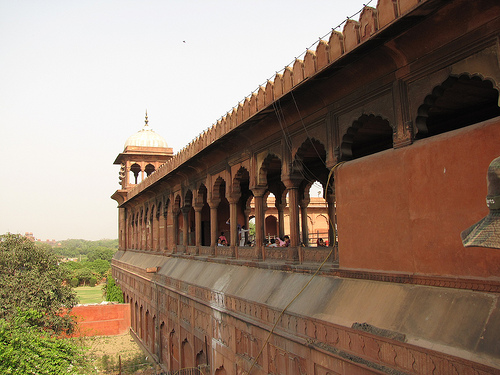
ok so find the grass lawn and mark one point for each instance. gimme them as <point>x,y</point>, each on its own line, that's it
<point>89,294</point>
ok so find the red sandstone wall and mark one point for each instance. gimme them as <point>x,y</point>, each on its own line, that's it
<point>403,210</point>
<point>102,320</point>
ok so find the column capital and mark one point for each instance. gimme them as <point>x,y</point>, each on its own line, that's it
<point>304,202</point>
<point>213,203</point>
<point>233,199</point>
<point>258,192</point>
<point>292,182</point>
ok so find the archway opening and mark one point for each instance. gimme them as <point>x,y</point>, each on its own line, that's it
<point>367,135</point>
<point>456,103</point>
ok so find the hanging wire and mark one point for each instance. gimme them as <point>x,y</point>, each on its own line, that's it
<point>305,129</point>
<point>331,174</point>
<point>303,53</point>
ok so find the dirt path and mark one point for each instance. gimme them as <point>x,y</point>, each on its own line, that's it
<point>104,352</point>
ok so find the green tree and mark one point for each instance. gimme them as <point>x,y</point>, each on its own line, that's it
<point>112,292</point>
<point>29,349</point>
<point>31,279</point>
<point>99,267</point>
<point>83,275</point>
<point>100,253</point>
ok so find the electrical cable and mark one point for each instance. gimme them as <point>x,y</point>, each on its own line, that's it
<point>304,126</point>
<point>305,286</point>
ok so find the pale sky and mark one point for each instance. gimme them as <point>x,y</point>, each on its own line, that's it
<point>76,77</point>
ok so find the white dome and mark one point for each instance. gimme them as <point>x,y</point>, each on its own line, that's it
<point>146,137</point>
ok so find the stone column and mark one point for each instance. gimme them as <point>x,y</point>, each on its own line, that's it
<point>185,225</point>
<point>213,222</point>
<point>293,209</point>
<point>197,225</point>
<point>166,234</point>
<point>303,220</point>
<point>332,232</point>
<point>233,220</point>
<point>281,219</point>
<point>258,194</point>
<point>135,235</point>
<point>143,234</point>
<point>175,229</point>
<point>247,223</point>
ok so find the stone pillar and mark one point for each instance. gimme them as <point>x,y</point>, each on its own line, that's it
<point>175,229</point>
<point>332,232</point>
<point>303,220</point>
<point>185,225</point>
<point>166,234</point>
<point>233,220</point>
<point>247,223</point>
<point>213,222</point>
<point>258,194</point>
<point>134,235</point>
<point>293,209</point>
<point>281,219</point>
<point>143,234</point>
<point>197,224</point>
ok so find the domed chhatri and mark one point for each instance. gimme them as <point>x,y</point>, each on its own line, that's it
<point>142,154</point>
<point>146,137</point>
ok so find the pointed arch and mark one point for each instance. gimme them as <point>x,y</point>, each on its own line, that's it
<point>149,168</point>
<point>310,161</point>
<point>367,135</point>
<point>458,102</point>
<point>270,174</point>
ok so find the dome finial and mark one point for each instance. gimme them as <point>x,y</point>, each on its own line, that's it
<point>146,120</point>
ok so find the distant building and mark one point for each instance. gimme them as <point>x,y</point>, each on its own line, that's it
<point>398,118</point>
<point>31,237</point>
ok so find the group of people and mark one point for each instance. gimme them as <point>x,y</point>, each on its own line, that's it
<point>272,242</point>
<point>278,242</point>
<point>222,240</point>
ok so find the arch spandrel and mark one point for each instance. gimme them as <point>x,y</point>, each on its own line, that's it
<point>214,182</point>
<point>200,194</point>
<point>241,176</point>
<point>260,172</point>
<point>177,203</point>
<point>484,64</point>
<point>235,169</point>
<point>309,163</point>
<point>188,198</point>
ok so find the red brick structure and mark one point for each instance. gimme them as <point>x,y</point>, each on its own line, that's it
<point>398,118</point>
<point>102,320</point>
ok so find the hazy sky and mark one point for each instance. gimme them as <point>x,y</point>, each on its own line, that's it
<point>76,77</point>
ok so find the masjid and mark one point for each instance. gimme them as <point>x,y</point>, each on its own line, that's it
<point>232,265</point>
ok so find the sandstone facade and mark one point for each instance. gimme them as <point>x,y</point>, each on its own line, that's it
<point>398,118</point>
